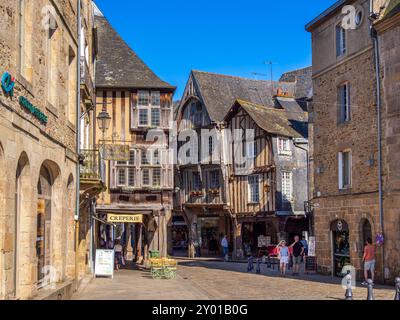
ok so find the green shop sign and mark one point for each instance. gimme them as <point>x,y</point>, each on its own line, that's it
<point>33,110</point>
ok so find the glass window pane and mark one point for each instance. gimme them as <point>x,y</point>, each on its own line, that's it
<point>155,117</point>
<point>121,177</point>
<point>131,177</point>
<point>146,177</point>
<point>155,98</point>
<point>144,98</point>
<point>156,177</point>
<point>143,117</point>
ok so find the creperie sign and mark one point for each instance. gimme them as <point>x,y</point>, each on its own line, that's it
<point>124,218</point>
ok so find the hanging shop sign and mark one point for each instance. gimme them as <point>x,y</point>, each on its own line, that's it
<point>122,218</point>
<point>116,152</point>
<point>24,102</point>
<point>379,239</point>
<point>8,83</point>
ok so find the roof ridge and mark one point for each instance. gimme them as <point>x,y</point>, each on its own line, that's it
<point>231,76</point>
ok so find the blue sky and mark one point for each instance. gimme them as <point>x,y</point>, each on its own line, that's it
<point>233,37</point>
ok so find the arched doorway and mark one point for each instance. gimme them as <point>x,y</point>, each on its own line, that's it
<point>340,246</point>
<point>366,231</point>
<point>48,221</point>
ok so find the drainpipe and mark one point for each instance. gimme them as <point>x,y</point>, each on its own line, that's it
<point>78,136</point>
<point>374,37</point>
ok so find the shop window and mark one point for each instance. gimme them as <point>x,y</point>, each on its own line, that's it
<point>44,215</point>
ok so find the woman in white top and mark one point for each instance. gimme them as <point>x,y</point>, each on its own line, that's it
<point>283,256</point>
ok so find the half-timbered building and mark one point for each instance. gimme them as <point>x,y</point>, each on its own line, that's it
<point>139,171</point>
<point>270,185</point>
<point>202,198</point>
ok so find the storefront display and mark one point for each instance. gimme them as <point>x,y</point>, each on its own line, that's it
<point>341,246</point>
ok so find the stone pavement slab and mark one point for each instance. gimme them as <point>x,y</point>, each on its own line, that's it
<point>214,280</point>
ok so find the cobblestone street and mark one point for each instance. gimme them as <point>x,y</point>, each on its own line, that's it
<point>214,280</point>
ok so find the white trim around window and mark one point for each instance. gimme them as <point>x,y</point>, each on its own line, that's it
<point>254,189</point>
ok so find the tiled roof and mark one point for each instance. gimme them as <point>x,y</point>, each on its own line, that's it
<point>118,65</point>
<point>271,120</point>
<point>303,79</point>
<point>219,92</point>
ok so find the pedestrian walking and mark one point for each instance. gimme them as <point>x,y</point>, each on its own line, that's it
<point>283,256</point>
<point>305,246</point>
<point>298,251</point>
<point>118,255</point>
<point>225,247</point>
<point>369,261</point>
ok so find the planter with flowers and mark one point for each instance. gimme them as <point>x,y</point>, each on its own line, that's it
<point>197,193</point>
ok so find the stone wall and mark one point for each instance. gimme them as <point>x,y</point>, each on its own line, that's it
<point>390,63</point>
<point>359,135</point>
<point>27,143</point>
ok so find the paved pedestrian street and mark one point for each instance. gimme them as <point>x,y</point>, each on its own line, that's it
<point>215,280</point>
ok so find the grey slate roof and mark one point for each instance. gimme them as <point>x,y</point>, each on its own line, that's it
<point>274,121</point>
<point>295,113</point>
<point>219,92</point>
<point>118,65</point>
<point>303,79</point>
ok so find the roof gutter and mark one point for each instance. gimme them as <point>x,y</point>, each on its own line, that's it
<point>325,14</point>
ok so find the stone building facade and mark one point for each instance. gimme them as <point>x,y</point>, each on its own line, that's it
<point>345,144</point>
<point>388,30</point>
<point>39,50</point>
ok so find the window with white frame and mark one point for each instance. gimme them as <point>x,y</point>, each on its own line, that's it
<point>145,157</point>
<point>156,158</point>
<point>155,117</point>
<point>344,159</point>
<point>254,189</point>
<point>287,187</point>
<point>251,152</point>
<point>143,117</point>
<point>149,108</point>
<point>284,146</point>
<point>155,98</point>
<point>126,171</point>
<point>340,40</point>
<point>143,99</point>
<point>344,102</point>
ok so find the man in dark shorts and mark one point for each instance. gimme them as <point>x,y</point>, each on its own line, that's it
<point>298,250</point>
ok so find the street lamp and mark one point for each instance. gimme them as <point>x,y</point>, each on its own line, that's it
<point>104,120</point>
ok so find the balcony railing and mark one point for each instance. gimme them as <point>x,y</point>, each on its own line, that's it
<point>93,167</point>
<point>86,80</point>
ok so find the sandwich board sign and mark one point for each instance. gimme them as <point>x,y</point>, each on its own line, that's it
<point>104,265</point>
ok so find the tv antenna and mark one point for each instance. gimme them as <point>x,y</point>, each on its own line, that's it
<point>270,63</point>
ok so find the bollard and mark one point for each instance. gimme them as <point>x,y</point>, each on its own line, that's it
<point>349,291</point>
<point>397,296</point>
<point>250,266</point>
<point>258,268</point>
<point>370,290</point>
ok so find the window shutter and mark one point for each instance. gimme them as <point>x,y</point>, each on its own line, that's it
<point>340,169</point>
<point>338,41</point>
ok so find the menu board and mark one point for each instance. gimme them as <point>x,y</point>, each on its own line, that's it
<point>104,265</point>
<point>311,247</point>
<point>311,264</point>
